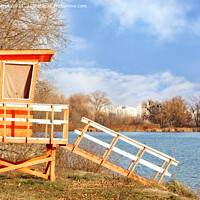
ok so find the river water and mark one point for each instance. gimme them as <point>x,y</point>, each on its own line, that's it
<point>185,147</point>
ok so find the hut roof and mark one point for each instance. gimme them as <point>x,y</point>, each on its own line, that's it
<point>40,55</point>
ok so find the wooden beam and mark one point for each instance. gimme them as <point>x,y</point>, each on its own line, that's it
<point>32,140</point>
<point>52,122</point>
<point>65,126</point>
<point>32,159</point>
<point>133,160</point>
<point>159,172</point>
<point>38,55</point>
<point>4,122</point>
<point>1,79</point>
<point>28,124</point>
<point>33,84</point>
<point>106,164</point>
<point>109,151</point>
<point>7,163</point>
<point>78,140</point>
<point>137,161</point>
<point>26,164</point>
<point>108,148</point>
<point>161,177</point>
<point>46,126</point>
<point>53,156</point>
<point>47,167</point>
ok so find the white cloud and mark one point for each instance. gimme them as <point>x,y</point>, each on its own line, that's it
<point>121,88</point>
<point>163,19</point>
<point>81,63</point>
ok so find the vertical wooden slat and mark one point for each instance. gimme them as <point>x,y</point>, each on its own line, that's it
<point>108,148</point>
<point>33,82</point>
<point>159,172</point>
<point>133,160</point>
<point>4,122</point>
<point>28,124</point>
<point>65,126</point>
<point>46,125</point>
<point>52,122</point>
<point>161,177</point>
<point>104,159</point>
<point>137,161</point>
<point>1,81</point>
<point>78,140</point>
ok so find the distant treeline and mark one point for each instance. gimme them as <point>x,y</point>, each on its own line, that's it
<point>175,112</point>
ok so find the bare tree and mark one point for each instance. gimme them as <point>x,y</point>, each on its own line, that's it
<point>176,112</point>
<point>169,112</point>
<point>79,107</point>
<point>98,100</point>
<point>194,107</point>
<point>30,24</point>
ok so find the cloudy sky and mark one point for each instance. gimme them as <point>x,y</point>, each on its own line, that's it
<point>133,50</point>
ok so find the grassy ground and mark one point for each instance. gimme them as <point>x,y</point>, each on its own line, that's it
<point>73,184</point>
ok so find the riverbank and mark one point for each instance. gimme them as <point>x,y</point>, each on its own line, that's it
<point>75,184</point>
<point>146,128</point>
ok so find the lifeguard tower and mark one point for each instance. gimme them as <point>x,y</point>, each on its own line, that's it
<point>17,86</point>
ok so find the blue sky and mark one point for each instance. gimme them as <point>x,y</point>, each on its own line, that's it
<point>131,49</point>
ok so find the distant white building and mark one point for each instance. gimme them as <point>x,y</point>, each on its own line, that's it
<point>134,111</point>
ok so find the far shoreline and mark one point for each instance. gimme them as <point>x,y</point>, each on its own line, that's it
<point>134,128</point>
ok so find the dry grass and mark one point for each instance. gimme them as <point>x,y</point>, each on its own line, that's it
<point>76,179</point>
<point>180,189</point>
<point>76,184</point>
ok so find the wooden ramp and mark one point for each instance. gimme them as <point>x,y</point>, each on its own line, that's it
<point>135,159</point>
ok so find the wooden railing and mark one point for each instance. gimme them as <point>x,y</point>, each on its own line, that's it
<point>16,121</point>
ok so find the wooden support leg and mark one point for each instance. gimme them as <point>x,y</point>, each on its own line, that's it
<point>53,162</point>
<point>164,171</point>
<point>47,167</point>
<point>158,172</point>
<point>49,159</point>
<point>137,161</point>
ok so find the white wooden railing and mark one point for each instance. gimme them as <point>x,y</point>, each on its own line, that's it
<point>28,119</point>
<point>136,159</point>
